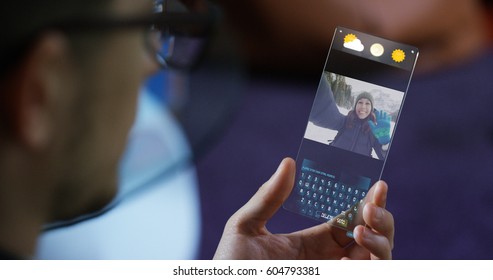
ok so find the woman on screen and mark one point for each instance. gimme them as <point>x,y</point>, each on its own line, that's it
<point>363,130</point>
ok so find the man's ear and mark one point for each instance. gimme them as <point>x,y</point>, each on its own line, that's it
<point>35,89</point>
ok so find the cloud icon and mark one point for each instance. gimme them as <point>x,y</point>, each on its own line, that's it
<point>354,45</point>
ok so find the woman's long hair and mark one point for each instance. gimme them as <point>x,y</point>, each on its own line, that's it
<point>352,118</point>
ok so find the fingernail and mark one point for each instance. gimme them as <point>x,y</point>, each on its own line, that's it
<point>375,211</point>
<point>360,233</point>
<point>378,212</point>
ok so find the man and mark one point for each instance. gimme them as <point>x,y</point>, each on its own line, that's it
<point>68,91</point>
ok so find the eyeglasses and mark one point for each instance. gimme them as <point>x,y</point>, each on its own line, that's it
<point>179,32</point>
<point>176,33</point>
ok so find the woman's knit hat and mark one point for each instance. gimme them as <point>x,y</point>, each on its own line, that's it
<point>365,95</point>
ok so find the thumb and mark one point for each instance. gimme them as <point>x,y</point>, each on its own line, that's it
<point>269,198</point>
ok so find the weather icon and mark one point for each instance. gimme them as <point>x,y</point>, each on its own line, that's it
<point>353,43</point>
<point>377,49</point>
<point>398,55</point>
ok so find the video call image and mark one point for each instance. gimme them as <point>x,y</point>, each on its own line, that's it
<point>354,115</point>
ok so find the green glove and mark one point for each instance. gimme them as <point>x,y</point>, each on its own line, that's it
<point>381,130</point>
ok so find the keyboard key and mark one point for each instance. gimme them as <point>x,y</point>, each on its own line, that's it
<point>324,198</point>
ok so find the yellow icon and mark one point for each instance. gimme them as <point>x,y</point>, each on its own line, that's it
<point>377,49</point>
<point>349,38</point>
<point>398,55</point>
<point>342,222</point>
<point>352,42</point>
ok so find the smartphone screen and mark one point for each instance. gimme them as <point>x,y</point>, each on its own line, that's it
<point>349,132</point>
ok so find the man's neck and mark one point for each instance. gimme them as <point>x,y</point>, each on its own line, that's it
<point>24,203</point>
<point>18,231</point>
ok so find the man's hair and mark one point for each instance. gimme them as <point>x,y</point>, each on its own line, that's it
<point>23,20</point>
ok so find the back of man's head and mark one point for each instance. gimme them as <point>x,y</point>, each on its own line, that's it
<point>24,20</point>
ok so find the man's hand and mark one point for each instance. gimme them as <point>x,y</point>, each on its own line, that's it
<point>246,236</point>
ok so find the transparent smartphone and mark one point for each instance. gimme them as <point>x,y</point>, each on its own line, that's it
<point>350,128</point>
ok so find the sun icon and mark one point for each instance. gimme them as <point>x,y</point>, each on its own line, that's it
<point>398,55</point>
<point>349,38</point>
